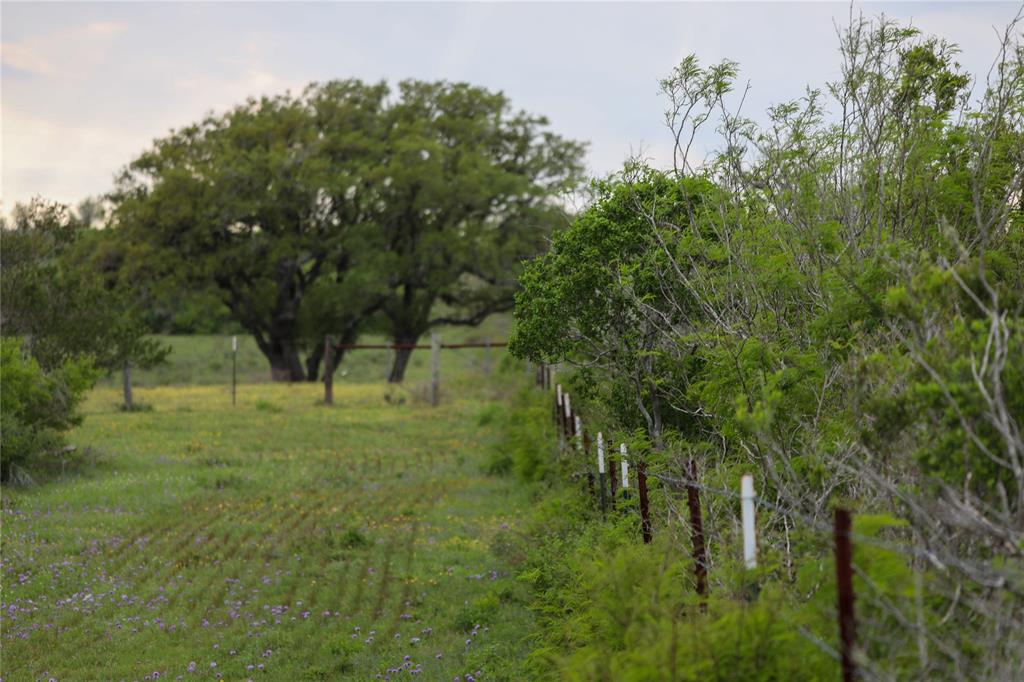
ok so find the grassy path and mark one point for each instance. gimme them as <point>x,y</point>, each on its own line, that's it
<point>275,540</point>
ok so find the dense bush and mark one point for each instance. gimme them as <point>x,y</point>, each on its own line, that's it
<point>36,407</point>
<point>834,305</point>
<point>524,447</point>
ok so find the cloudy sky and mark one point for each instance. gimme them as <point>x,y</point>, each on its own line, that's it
<point>87,86</point>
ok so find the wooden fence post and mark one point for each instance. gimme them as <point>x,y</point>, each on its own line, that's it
<point>328,371</point>
<point>126,375</point>
<point>700,569</point>
<point>435,369</point>
<point>844,584</point>
<point>234,367</point>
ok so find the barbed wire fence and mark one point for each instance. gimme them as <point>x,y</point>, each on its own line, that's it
<point>486,364</point>
<point>611,474</point>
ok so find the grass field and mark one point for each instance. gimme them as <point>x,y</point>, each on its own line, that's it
<point>277,539</point>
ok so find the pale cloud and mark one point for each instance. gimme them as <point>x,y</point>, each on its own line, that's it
<point>75,51</point>
<point>88,86</point>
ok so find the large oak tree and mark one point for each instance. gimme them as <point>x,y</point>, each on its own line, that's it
<point>312,213</point>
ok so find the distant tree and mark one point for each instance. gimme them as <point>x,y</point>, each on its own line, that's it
<point>468,189</point>
<point>60,306</point>
<point>264,203</point>
<point>62,325</point>
<point>311,214</point>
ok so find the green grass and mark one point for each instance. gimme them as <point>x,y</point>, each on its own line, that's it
<point>321,543</point>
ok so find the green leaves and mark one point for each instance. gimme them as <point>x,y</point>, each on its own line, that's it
<point>310,214</point>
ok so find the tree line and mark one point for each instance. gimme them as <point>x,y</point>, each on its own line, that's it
<point>346,207</point>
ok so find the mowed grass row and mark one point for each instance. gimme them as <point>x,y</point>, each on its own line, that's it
<point>278,539</point>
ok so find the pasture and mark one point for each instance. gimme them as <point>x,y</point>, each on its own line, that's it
<point>277,539</point>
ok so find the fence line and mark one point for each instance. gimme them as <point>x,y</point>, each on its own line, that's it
<point>573,436</point>
<point>435,346</point>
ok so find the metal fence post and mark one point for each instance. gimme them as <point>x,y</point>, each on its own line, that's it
<point>844,585</point>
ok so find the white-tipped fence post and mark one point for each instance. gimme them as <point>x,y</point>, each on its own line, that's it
<point>749,530</point>
<point>747,498</point>
<point>567,418</point>
<point>578,432</point>
<point>559,420</point>
<point>600,472</point>
<point>624,457</point>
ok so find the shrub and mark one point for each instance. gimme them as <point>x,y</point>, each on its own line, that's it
<point>36,407</point>
<point>524,443</point>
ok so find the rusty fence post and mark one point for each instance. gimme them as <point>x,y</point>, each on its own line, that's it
<point>844,585</point>
<point>612,483</point>
<point>645,505</point>
<point>601,473</point>
<point>583,438</point>
<point>328,371</point>
<point>700,568</point>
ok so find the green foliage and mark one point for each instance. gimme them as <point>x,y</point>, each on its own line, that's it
<point>59,303</point>
<point>832,306</point>
<point>36,407</point>
<point>347,207</point>
<point>524,445</point>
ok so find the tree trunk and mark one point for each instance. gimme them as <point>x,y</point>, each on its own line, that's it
<point>127,375</point>
<point>316,357</point>
<point>401,362</point>
<point>285,364</point>
<point>313,361</point>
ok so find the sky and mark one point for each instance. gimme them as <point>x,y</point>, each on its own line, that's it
<point>86,87</point>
